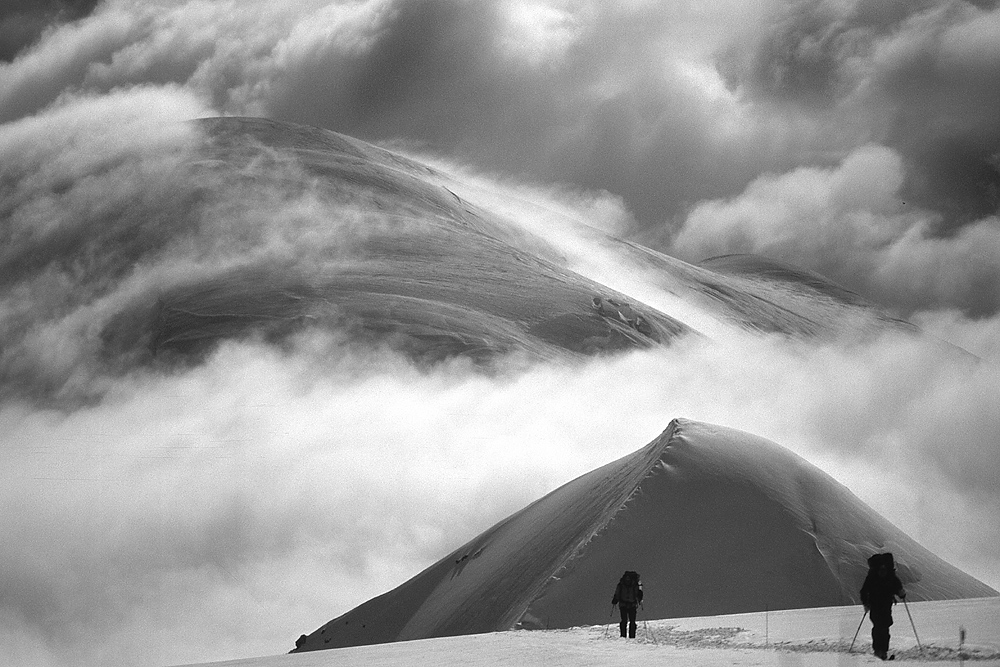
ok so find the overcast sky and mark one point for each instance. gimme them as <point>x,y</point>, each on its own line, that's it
<point>202,516</point>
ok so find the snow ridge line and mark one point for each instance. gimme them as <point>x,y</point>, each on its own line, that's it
<point>649,457</point>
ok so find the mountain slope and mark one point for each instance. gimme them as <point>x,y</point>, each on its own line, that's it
<point>264,230</point>
<point>717,521</point>
<point>403,261</point>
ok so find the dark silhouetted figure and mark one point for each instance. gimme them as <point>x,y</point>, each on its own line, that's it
<point>628,595</point>
<point>878,594</point>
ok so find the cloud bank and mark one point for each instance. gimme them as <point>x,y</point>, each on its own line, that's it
<point>222,512</point>
<point>851,224</point>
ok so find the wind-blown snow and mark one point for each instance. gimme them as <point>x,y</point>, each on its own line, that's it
<point>252,229</point>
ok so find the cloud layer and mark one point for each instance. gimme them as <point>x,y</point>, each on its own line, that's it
<point>149,529</point>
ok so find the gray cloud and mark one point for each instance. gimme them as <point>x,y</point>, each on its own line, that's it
<point>22,22</point>
<point>91,190</point>
<point>850,223</point>
<point>613,98</point>
<point>916,76</point>
<point>662,105</point>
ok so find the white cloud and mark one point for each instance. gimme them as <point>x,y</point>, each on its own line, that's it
<point>538,33</point>
<point>850,224</point>
<point>295,485</point>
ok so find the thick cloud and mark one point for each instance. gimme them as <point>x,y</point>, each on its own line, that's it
<point>90,191</point>
<point>662,104</point>
<point>851,224</point>
<point>222,512</point>
<point>919,77</point>
<point>618,98</point>
<point>22,22</point>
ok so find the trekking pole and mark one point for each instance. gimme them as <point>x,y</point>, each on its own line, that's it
<point>921,648</point>
<point>857,631</point>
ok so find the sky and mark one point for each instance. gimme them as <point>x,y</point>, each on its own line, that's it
<point>222,511</point>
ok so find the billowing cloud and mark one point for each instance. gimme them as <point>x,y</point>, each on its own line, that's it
<point>918,77</point>
<point>851,224</point>
<point>664,105</point>
<point>222,512</point>
<point>623,98</point>
<point>23,22</point>
<point>90,190</point>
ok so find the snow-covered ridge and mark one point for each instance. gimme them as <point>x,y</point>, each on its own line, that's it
<point>717,521</point>
<point>267,230</point>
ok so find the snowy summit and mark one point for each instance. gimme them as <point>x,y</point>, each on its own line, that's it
<point>717,521</point>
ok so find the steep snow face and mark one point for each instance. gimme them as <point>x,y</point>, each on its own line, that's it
<point>726,522</point>
<point>716,521</point>
<point>378,249</point>
<point>486,584</point>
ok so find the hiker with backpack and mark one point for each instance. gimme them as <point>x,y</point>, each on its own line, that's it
<point>878,594</point>
<point>628,595</point>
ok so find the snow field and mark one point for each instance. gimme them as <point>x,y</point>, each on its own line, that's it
<point>799,637</point>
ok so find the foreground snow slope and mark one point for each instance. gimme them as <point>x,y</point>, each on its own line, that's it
<point>715,520</point>
<point>801,637</point>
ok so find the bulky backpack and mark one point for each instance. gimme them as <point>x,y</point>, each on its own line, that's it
<point>631,587</point>
<point>877,560</point>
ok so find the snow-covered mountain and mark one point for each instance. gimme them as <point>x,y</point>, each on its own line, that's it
<point>265,229</point>
<point>716,521</point>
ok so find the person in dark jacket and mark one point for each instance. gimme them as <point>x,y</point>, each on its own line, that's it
<point>878,594</point>
<point>628,595</point>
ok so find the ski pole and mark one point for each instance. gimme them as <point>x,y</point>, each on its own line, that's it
<point>921,648</point>
<point>857,631</point>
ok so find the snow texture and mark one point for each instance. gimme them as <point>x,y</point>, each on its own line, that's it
<point>791,638</point>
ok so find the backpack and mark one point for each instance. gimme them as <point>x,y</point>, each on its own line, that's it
<point>631,587</point>
<point>875,561</point>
